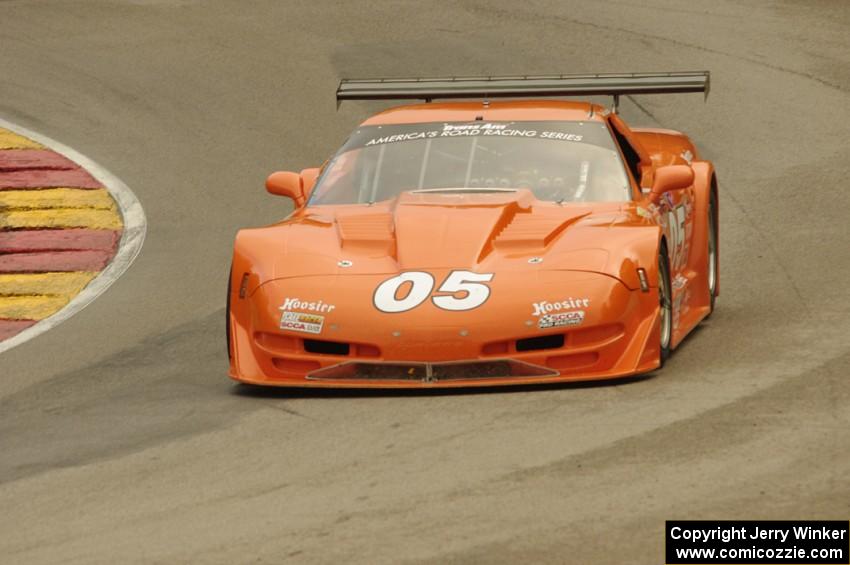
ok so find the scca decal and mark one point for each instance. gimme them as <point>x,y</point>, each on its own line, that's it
<point>421,285</point>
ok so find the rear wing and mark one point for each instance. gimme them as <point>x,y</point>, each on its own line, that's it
<point>615,85</point>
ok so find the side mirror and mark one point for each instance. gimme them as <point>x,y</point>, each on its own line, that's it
<point>671,177</point>
<point>285,183</point>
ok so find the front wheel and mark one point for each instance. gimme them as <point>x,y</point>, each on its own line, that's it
<point>227,314</point>
<point>712,252</point>
<point>665,299</point>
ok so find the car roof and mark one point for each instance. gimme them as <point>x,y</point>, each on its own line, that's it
<point>513,110</point>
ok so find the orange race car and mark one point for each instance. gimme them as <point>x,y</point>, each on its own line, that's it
<point>481,242</point>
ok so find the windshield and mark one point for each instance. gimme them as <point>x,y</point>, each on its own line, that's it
<point>558,161</point>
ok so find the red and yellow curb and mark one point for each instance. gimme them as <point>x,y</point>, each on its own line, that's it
<point>59,227</point>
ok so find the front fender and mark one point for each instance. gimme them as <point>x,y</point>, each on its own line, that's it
<point>626,249</point>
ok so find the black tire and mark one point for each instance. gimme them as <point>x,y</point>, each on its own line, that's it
<point>665,298</point>
<point>227,314</point>
<point>713,258</point>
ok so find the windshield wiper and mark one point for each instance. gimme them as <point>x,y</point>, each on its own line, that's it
<point>465,189</point>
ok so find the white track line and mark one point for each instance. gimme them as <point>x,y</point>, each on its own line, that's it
<point>131,242</point>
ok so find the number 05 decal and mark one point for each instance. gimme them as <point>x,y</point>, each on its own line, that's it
<point>421,284</point>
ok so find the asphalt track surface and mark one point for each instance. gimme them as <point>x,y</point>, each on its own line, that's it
<point>121,439</point>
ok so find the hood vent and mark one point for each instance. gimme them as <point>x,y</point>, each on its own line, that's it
<point>367,232</point>
<point>533,231</point>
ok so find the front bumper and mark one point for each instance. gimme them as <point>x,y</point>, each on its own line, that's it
<point>502,344</point>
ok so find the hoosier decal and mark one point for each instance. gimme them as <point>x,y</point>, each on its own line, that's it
<point>546,307</point>
<point>313,306</point>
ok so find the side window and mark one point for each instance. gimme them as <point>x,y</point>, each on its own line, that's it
<point>631,156</point>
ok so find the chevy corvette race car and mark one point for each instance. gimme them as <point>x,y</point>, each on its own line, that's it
<point>484,242</point>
